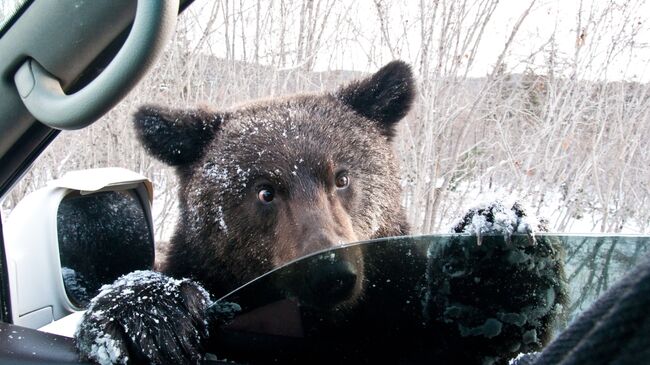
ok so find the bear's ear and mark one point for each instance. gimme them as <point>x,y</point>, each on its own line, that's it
<point>176,137</point>
<point>385,97</point>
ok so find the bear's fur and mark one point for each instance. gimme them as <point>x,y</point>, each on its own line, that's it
<point>296,147</point>
<point>264,184</point>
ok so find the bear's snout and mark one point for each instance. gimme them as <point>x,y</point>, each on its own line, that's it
<point>309,226</point>
<point>321,239</point>
<point>306,226</point>
<point>333,282</point>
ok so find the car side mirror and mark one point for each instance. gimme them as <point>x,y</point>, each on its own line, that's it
<point>101,236</point>
<point>66,240</point>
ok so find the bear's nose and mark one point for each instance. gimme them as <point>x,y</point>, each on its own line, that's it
<point>332,282</point>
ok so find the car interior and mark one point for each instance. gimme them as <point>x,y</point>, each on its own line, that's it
<point>102,50</point>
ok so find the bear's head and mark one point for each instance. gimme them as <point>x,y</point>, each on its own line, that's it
<point>266,183</point>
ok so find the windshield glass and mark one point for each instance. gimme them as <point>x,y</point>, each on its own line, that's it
<point>417,291</point>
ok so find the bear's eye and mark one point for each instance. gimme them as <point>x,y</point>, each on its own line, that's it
<point>266,195</point>
<point>342,180</point>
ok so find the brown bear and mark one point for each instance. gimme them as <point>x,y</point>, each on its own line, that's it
<point>261,185</point>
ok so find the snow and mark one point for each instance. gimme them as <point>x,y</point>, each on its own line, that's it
<point>222,222</point>
<point>106,351</point>
<point>554,207</point>
<point>135,295</point>
<point>496,218</point>
<point>523,359</point>
<point>218,174</point>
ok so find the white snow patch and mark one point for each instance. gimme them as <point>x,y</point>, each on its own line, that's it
<point>106,351</point>
<point>504,220</point>
<point>514,361</point>
<point>222,222</point>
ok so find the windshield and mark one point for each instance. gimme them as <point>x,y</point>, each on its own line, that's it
<point>413,288</point>
<point>539,104</point>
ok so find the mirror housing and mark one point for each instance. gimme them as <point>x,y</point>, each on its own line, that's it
<point>49,222</point>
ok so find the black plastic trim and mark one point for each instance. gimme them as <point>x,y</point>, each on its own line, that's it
<point>20,345</point>
<point>23,153</point>
<point>34,141</point>
<point>18,159</point>
<point>5,303</point>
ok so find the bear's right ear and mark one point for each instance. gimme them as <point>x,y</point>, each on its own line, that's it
<point>385,97</point>
<point>175,137</point>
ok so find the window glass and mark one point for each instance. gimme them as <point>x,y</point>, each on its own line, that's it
<point>416,291</point>
<point>101,237</point>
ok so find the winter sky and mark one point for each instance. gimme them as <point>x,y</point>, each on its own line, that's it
<point>354,47</point>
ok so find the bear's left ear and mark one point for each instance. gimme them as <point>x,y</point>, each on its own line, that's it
<point>176,136</point>
<point>385,97</point>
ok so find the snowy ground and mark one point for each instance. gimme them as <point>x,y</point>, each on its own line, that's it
<point>553,209</point>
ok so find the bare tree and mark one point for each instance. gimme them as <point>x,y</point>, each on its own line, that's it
<point>561,128</point>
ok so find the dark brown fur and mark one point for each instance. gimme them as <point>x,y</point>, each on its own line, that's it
<point>225,235</point>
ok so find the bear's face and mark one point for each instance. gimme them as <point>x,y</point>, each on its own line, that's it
<point>298,176</point>
<point>267,183</point>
